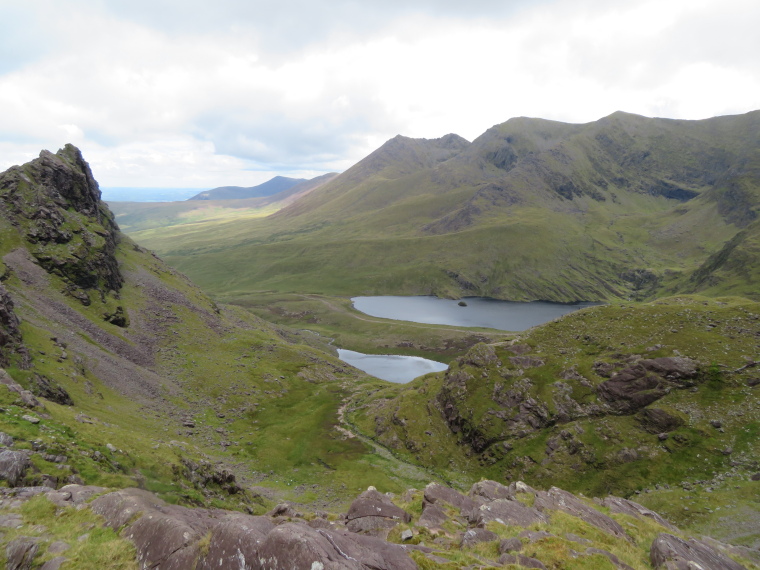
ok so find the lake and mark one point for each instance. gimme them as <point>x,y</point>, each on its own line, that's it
<point>391,367</point>
<point>479,312</point>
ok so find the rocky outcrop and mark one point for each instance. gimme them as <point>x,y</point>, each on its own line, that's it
<point>173,537</point>
<point>26,397</point>
<point>645,382</point>
<point>669,552</point>
<point>558,500</point>
<point>55,203</point>
<point>10,336</point>
<point>374,514</point>
<point>13,466</point>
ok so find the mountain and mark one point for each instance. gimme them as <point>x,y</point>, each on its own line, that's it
<point>134,377</point>
<point>140,216</point>
<point>625,207</point>
<point>273,186</point>
<point>129,399</point>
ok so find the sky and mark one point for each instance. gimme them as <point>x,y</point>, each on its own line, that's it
<point>199,94</point>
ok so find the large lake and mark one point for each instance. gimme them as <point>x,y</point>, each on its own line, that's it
<point>391,367</point>
<point>479,312</point>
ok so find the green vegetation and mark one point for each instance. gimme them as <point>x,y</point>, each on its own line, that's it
<point>541,419</point>
<point>623,208</point>
<point>91,545</point>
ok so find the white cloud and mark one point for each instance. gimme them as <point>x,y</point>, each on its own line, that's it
<point>194,94</point>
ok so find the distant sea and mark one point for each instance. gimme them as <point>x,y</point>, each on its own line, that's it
<point>124,194</point>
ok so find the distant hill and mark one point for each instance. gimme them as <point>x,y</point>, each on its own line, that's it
<point>268,188</point>
<point>142,216</point>
<point>623,207</point>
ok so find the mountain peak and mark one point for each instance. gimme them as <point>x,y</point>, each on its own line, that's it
<point>268,188</point>
<point>55,201</point>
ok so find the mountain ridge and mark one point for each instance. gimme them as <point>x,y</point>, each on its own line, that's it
<point>418,217</point>
<point>271,186</point>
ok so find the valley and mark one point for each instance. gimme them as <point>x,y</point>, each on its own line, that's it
<point>123,377</point>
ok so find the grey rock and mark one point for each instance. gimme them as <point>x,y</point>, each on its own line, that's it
<point>407,535</point>
<point>53,563</point>
<point>12,520</point>
<point>510,545</point>
<point>290,546</point>
<point>507,512</point>
<point>58,547</point>
<point>578,539</point>
<point>236,538</point>
<point>432,517</point>
<point>285,510</point>
<point>13,466</point>
<point>491,490</point>
<point>435,493</point>
<point>535,535</point>
<point>5,440</point>
<point>626,507</point>
<point>372,503</point>
<point>20,553</point>
<point>476,535</point>
<point>372,526</point>
<point>672,553</point>
<point>559,500</point>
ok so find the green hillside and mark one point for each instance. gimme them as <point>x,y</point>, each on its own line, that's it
<point>657,401</point>
<point>141,380</point>
<point>625,207</point>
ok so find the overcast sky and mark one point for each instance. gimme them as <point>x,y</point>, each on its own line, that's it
<point>195,93</point>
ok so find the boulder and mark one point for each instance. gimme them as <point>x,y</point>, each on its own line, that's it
<point>656,421</point>
<point>432,517</point>
<point>20,553</point>
<point>372,503</point>
<point>290,546</point>
<point>476,535</point>
<point>235,542</point>
<point>285,510</point>
<point>672,367</point>
<point>626,507</point>
<point>510,545</point>
<point>506,512</point>
<point>669,552</point>
<point>435,493</point>
<point>631,389</point>
<point>558,500</point>
<point>5,440</point>
<point>53,563</point>
<point>491,490</point>
<point>13,466</point>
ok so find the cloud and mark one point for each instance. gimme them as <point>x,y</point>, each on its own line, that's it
<point>182,92</point>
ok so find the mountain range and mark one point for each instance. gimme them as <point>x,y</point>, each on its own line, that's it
<point>123,378</point>
<point>273,186</point>
<point>626,207</point>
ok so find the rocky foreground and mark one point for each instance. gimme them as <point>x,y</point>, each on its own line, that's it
<point>437,527</point>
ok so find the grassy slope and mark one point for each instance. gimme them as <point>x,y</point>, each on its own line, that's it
<point>263,400</point>
<point>721,334</point>
<point>530,210</point>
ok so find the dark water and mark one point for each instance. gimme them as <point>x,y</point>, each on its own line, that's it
<point>479,312</point>
<point>391,367</point>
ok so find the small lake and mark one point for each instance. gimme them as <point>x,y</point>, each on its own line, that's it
<point>479,312</point>
<point>391,367</point>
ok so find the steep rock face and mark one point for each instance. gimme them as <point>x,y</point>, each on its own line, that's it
<point>55,202</point>
<point>10,335</point>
